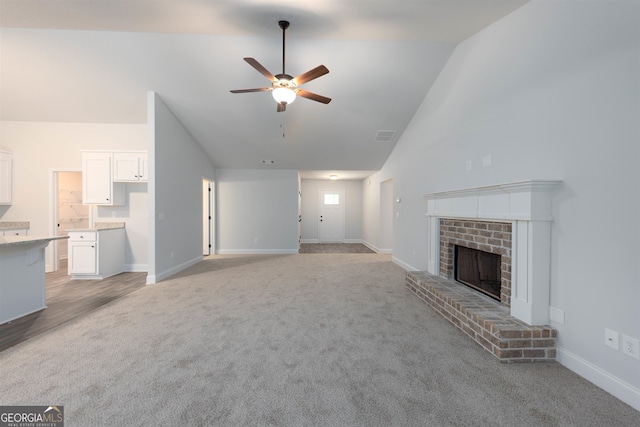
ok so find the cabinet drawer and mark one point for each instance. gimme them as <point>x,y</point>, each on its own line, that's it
<point>85,236</point>
<point>15,232</point>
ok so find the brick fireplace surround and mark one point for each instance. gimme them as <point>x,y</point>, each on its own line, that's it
<point>509,220</point>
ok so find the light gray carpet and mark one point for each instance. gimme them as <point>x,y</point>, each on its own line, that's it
<point>288,340</point>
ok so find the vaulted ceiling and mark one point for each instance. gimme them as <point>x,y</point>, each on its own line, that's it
<point>94,61</point>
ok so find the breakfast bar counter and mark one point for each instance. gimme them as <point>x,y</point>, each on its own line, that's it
<point>22,275</point>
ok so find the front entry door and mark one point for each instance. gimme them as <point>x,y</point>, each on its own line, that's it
<point>331,221</point>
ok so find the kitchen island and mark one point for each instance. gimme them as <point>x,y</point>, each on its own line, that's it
<point>22,275</point>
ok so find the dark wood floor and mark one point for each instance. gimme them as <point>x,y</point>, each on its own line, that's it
<point>66,300</point>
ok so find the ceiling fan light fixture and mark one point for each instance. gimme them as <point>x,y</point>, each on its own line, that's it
<point>284,91</point>
<point>284,87</point>
<point>284,95</point>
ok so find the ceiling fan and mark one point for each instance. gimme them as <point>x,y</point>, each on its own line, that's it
<point>284,87</point>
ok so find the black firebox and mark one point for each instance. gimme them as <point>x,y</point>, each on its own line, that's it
<point>478,269</point>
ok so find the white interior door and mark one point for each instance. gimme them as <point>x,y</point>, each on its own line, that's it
<point>331,221</point>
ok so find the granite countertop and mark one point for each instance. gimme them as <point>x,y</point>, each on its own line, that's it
<point>23,240</point>
<point>101,226</point>
<point>13,225</point>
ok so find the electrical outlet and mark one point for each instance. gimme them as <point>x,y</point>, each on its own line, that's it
<point>611,339</point>
<point>630,347</point>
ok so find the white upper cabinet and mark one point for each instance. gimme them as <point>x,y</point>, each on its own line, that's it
<point>130,167</point>
<point>6,176</point>
<point>97,183</point>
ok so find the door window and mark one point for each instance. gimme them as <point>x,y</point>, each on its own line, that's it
<point>331,198</point>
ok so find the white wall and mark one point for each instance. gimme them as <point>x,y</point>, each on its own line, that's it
<point>310,208</point>
<point>552,91</point>
<point>41,147</point>
<point>177,165</point>
<point>257,211</point>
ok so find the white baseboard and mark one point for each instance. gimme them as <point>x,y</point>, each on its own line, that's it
<point>136,268</point>
<point>404,265</point>
<point>155,278</point>
<point>256,251</point>
<point>309,241</point>
<point>377,249</point>
<point>605,380</point>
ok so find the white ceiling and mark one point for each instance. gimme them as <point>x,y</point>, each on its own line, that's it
<point>94,61</point>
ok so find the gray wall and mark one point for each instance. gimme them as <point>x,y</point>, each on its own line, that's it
<point>550,92</point>
<point>257,211</point>
<point>177,165</point>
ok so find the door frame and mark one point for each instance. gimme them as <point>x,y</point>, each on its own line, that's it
<point>52,263</point>
<point>208,217</point>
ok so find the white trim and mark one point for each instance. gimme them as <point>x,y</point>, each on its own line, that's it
<point>257,251</point>
<point>136,268</point>
<point>404,265</point>
<point>173,270</point>
<point>521,201</point>
<point>309,241</point>
<point>610,383</point>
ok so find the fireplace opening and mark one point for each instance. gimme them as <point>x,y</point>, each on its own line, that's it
<point>478,269</point>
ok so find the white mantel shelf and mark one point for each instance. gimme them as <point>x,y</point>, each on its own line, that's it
<point>527,205</point>
<point>523,200</point>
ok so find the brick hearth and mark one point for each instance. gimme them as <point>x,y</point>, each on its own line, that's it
<point>486,321</point>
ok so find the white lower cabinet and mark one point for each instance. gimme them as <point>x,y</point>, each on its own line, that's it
<point>96,254</point>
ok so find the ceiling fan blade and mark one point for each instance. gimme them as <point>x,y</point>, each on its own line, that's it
<point>281,108</point>
<point>320,70</point>
<point>255,64</point>
<point>262,89</point>
<point>313,96</point>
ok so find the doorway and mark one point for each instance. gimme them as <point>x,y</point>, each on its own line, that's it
<point>386,216</point>
<point>208,220</point>
<point>68,212</point>
<point>331,221</point>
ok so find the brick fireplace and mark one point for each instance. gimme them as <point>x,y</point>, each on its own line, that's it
<point>491,237</point>
<point>514,221</point>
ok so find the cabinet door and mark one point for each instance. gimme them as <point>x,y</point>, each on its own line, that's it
<point>5,178</point>
<point>126,167</point>
<point>96,179</point>
<point>82,258</point>
<point>143,169</point>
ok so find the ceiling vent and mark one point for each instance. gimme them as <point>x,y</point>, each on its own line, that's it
<point>385,135</point>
